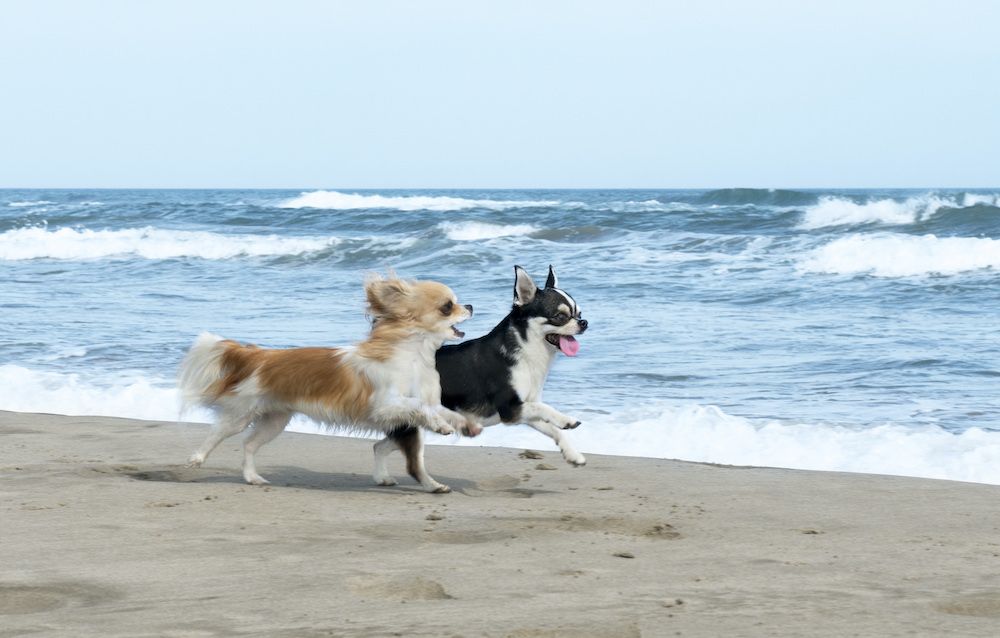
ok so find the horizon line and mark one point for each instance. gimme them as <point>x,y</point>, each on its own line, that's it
<point>494,188</point>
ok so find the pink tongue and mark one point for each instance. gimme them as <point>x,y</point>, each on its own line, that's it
<point>569,345</point>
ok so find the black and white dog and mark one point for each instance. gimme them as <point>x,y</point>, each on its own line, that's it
<point>499,377</point>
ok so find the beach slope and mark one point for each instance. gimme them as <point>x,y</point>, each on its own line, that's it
<point>106,532</point>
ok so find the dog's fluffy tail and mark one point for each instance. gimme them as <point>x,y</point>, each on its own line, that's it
<point>201,371</point>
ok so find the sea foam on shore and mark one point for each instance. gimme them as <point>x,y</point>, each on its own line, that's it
<point>688,432</point>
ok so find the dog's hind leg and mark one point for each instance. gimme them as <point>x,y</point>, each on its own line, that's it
<point>226,425</point>
<point>411,442</point>
<point>265,428</point>
<point>383,449</point>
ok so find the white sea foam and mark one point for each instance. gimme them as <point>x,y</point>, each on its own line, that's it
<point>707,434</point>
<point>334,200</point>
<point>641,206</point>
<point>836,211</point>
<point>128,396</point>
<point>148,243</point>
<point>137,397</point>
<point>895,255</point>
<point>473,231</point>
<point>658,430</point>
<point>26,204</point>
<point>981,199</point>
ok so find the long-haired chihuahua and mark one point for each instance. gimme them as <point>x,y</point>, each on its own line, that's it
<point>385,381</point>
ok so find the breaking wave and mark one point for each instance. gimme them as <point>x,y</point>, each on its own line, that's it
<point>148,243</point>
<point>896,255</point>
<point>335,200</point>
<point>838,211</point>
<point>472,231</point>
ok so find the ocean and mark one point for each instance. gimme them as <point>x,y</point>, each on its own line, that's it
<point>851,330</point>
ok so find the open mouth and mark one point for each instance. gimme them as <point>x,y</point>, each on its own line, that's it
<point>567,344</point>
<point>458,333</point>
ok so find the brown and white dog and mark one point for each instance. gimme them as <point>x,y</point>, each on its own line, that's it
<point>384,382</point>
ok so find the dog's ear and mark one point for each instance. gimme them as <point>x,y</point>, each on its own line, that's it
<point>386,297</point>
<point>551,281</point>
<point>524,287</point>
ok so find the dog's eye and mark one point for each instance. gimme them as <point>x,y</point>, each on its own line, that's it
<point>447,308</point>
<point>561,317</point>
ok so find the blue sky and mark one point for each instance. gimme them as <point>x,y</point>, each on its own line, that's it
<point>465,94</point>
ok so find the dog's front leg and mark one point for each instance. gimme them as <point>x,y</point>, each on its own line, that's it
<point>544,419</point>
<point>460,422</point>
<point>569,453</point>
<point>440,423</point>
<point>538,411</point>
<point>408,410</point>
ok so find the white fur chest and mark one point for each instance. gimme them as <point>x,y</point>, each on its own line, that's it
<point>533,363</point>
<point>411,372</point>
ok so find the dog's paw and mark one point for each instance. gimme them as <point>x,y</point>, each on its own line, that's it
<point>570,424</point>
<point>445,421</point>
<point>387,481</point>
<point>439,488</point>
<point>440,426</point>
<point>576,459</point>
<point>195,461</point>
<point>456,420</point>
<point>471,428</point>
<point>256,479</point>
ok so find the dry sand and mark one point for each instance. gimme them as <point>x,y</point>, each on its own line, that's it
<point>105,532</point>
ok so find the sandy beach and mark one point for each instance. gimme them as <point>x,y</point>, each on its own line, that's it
<point>105,532</point>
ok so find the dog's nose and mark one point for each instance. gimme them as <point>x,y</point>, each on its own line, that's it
<point>469,308</point>
<point>582,323</point>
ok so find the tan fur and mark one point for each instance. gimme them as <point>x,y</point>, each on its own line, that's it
<point>399,308</point>
<point>380,345</point>
<point>301,374</point>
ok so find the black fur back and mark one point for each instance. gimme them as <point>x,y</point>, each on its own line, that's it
<point>475,374</point>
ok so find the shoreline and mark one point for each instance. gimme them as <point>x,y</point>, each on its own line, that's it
<point>107,533</point>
